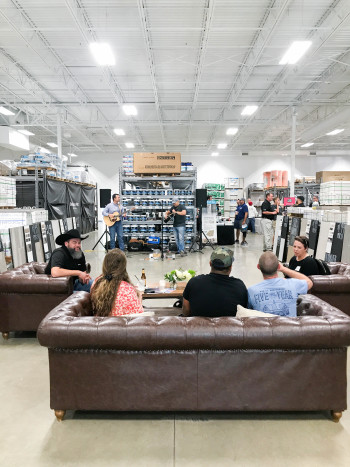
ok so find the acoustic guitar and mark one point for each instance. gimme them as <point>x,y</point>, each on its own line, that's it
<point>109,221</point>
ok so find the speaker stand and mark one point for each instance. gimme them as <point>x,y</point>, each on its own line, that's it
<point>105,245</point>
<point>198,239</point>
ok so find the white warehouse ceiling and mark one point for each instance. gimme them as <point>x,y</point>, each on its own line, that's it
<point>189,67</point>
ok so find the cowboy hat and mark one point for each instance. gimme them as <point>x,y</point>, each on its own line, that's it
<point>73,233</point>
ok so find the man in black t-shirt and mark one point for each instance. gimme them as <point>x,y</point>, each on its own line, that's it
<point>69,260</point>
<point>268,213</point>
<point>178,212</point>
<point>215,294</point>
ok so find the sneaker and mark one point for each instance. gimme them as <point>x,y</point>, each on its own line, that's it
<point>236,241</point>
<point>182,253</point>
<point>244,243</point>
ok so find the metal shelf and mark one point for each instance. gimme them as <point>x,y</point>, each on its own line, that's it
<point>150,222</point>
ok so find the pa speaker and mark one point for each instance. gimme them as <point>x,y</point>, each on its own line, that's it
<point>105,197</point>
<point>201,198</point>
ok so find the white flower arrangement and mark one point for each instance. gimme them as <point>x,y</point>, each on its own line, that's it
<point>179,275</point>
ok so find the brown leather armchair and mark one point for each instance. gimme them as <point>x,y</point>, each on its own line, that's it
<point>335,288</point>
<point>197,363</point>
<point>27,295</point>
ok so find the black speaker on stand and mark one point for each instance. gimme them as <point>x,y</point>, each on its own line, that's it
<point>201,202</point>
<point>105,197</point>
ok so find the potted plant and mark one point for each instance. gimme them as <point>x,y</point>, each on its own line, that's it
<point>178,275</point>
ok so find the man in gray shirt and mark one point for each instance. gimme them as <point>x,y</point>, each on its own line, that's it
<point>178,211</point>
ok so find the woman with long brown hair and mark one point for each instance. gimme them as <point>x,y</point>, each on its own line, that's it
<point>112,293</point>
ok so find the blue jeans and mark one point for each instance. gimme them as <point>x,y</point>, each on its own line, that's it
<point>251,224</point>
<point>116,228</point>
<point>179,233</point>
<point>78,286</point>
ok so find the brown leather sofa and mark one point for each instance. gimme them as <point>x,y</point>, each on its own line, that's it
<point>173,363</point>
<point>335,288</point>
<point>27,295</point>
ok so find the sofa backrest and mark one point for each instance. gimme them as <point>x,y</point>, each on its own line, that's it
<point>71,325</point>
<point>28,268</point>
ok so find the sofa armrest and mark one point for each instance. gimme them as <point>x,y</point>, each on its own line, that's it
<point>35,284</point>
<point>330,284</point>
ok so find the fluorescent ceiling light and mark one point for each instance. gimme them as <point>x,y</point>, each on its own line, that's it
<point>231,131</point>
<point>44,150</point>
<point>222,146</point>
<point>214,154</point>
<point>5,111</point>
<point>129,145</point>
<point>335,132</point>
<point>52,145</point>
<point>295,52</point>
<point>129,109</point>
<point>102,53</point>
<point>71,154</point>
<point>26,132</point>
<point>306,145</point>
<point>119,132</point>
<point>249,109</point>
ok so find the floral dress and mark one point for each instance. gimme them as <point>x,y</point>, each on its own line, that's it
<point>126,301</point>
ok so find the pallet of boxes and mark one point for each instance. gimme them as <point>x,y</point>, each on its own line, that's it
<point>157,163</point>
<point>334,188</point>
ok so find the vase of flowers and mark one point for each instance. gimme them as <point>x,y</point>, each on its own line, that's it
<point>178,275</point>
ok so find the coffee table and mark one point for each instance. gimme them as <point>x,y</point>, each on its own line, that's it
<point>176,293</point>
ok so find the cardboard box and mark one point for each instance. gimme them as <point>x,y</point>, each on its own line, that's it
<point>157,163</point>
<point>330,176</point>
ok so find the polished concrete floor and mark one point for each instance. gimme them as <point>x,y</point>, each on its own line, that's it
<point>31,436</point>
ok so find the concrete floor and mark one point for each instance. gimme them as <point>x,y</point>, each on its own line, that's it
<point>31,436</point>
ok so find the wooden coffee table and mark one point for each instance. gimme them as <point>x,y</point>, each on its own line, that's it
<point>177,293</point>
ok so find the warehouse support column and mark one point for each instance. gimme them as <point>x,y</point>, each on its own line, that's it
<point>59,135</point>
<point>292,158</point>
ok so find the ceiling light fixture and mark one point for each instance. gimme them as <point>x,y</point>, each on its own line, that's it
<point>335,132</point>
<point>5,111</point>
<point>222,146</point>
<point>71,154</point>
<point>231,131</point>
<point>44,150</point>
<point>102,53</point>
<point>295,52</point>
<point>130,145</point>
<point>119,132</point>
<point>129,109</point>
<point>249,109</point>
<point>52,145</point>
<point>214,154</point>
<point>306,145</point>
<point>26,132</point>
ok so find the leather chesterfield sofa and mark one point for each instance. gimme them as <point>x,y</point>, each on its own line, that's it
<point>335,288</point>
<point>173,363</point>
<point>27,295</point>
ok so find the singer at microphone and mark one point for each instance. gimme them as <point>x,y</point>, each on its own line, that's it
<point>178,212</point>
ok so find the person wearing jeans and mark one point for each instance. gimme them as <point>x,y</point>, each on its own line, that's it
<point>115,210</point>
<point>178,212</point>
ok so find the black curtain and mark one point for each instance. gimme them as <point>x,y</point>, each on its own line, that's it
<point>88,214</point>
<point>56,199</point>
<point>74,206</point>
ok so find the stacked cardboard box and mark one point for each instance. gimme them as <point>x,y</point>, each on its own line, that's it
<point>128,164</point>
<point>7,191</point>
<point>335,193</point>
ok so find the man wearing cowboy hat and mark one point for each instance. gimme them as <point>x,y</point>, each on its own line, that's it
<point>69,260</point>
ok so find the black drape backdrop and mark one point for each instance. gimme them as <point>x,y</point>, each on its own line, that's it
<point>72,200</point>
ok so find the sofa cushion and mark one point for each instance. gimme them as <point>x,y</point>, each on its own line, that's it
<point>247,313</point>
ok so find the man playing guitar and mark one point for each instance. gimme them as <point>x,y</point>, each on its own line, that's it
<point>115,211</point>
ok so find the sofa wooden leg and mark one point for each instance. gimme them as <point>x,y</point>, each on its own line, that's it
<point>60,414</point>
<point>5,335</point>
<point>336,416</point>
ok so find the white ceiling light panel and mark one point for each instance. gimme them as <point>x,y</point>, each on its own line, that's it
<point>295,52</point>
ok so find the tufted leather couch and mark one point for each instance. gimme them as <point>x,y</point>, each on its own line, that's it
<point>173,363</point>
<point>27,295</point>
<point>334,289</point>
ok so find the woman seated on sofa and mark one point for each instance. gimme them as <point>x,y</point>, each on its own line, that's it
<point>112,293</point>
<point>302,262</point>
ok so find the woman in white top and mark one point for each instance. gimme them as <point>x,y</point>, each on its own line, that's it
<point>252,214</point>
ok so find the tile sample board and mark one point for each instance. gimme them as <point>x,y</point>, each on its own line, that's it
<point>323,239</point>
<point>70,223</point>
<point>37,241</point>
<point>345,257</point>
<point>56,230</point>
<point>277,237</point>
<point>19,255</point>
<point>284,232</point>
<point>337,243</point>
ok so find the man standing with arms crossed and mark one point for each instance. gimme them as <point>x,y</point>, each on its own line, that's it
<point>111,210</point>
<point>241,220</point>
<point>268,213</point>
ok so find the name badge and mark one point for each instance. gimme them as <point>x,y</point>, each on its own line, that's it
<point>297,268</point>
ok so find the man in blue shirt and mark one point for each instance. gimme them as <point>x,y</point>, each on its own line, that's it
<point>241,221</point>
<point>115,211</point>
<point>275,294</point>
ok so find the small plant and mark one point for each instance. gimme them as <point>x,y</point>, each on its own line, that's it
<point>179,275</point>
